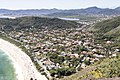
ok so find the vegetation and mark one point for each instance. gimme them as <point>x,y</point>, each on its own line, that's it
<point>106,26</point>
<point>61,59</point>
<point>5,37</point>
<point>55,58</point>
<point>63,72</point>
<point>108,30</point>
<point>110,70</point>
<point>35,22</point>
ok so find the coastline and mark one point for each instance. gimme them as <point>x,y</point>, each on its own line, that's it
<point>22,63</point>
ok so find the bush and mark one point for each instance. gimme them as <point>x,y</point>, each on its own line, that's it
<point>63,71</point>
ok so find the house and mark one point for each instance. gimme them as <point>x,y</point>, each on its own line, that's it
<point>83,65</point>
<point>49,64</point>
<point>109,42</point>
<point>117,50</point>
<point>114,55</point>
<point>74,55</point>
<point>94,50</point>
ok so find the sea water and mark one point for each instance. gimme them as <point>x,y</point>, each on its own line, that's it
<point>7,71</point>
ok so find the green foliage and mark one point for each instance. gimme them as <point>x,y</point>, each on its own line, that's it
<point>96,74</point>
<point>114,33</point>
<point>74,61</point>
<point>56,58</point>
<point>53,72</point>
<point>112,69</point>
<point>63,71</point>
<point>5,37</point>
<point>107,25</point>
<point>109,29</point>
<point>37,65</point>
<point>35,22</point>
<point>87,62</point>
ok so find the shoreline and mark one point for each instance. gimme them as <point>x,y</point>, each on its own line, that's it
<point>24,67</point>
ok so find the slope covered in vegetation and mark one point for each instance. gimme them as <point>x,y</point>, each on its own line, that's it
<point>106,26</point>
<point>108,68</point>
<point>107,30</point>
<point>35,22</point>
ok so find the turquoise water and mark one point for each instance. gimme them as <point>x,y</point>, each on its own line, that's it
<point>7,71</point>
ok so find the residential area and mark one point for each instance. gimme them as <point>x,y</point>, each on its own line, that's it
<point>60,50</point>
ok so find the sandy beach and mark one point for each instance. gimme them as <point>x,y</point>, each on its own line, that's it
<point>23,65</point>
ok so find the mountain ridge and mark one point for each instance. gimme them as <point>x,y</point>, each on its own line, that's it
<point>54,11</point>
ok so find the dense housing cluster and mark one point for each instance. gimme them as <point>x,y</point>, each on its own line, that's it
<point>61,52</point>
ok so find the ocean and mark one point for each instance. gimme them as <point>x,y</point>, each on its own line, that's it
<point>7,71</point>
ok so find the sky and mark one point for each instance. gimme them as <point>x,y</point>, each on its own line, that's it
<point>59,4</point>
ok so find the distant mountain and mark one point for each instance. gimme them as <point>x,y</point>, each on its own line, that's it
<point>87,11</point>
<point>57,12</point>
<point>118,8</point>
<point>93,9</point>
<point>29,12</point>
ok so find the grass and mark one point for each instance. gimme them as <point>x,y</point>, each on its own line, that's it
<point>113,32</point>
<point>106,26</point>
<point>106,68</point>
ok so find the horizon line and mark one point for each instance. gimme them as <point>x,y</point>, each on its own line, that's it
<point>58,8</point>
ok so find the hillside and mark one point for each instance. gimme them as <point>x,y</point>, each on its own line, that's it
<point>106,25</point>
<point>108,68</point>
<point>114,32</point>
<point>35,22</point>
<point>109,28</point>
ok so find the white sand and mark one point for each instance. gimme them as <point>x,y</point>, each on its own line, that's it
<point>23,65</point>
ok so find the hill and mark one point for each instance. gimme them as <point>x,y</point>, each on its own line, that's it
<point>108,27</point>
<point>107,30</point>
<point>114,32</point>
<point>108,68</point>
<point>35,22</point>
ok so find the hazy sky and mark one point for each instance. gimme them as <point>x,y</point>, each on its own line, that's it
<point>60,4</point>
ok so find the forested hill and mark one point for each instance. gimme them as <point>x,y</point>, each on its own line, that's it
<point>107,25</point>
<point>109,28</point>
<point>108,68</point>
<point>36,22</point>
